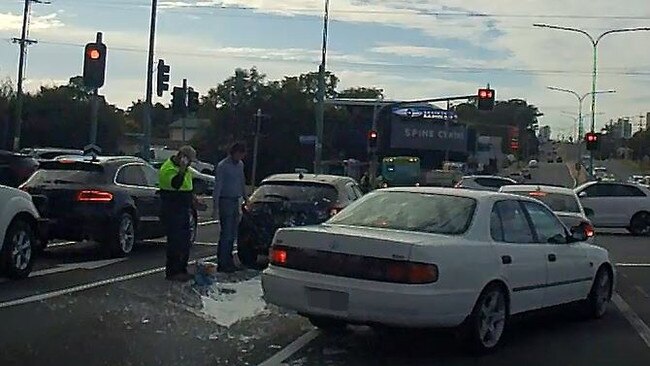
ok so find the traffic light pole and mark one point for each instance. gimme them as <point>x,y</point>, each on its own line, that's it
<point>146,153</point>
<point>185,113</point>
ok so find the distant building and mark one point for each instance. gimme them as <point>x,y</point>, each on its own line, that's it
<point>545,134</point>
<point>622,129</point>
<point>190,125</point>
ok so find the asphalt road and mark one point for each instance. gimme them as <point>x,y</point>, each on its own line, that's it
<point>124,313</point>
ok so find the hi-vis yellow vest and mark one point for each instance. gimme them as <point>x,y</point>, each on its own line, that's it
<point>167,172</point>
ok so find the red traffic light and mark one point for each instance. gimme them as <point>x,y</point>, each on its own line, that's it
<point>94,54</point>
<point>486,93</point>
<point>591,137</point>
<point>372,134</point>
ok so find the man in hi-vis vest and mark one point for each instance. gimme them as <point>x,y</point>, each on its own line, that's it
<point>176,193</point>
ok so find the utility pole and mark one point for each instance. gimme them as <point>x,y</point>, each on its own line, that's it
<point>149,93</point>
<point>320,97</point>
<point>258,119</point>
<point>185,112</point>
<point>23,42</point>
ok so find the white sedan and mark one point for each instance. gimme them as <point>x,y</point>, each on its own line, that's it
<point>436,257</point>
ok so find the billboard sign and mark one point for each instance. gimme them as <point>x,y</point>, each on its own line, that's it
<point>422,135</point>
<point>424,113</point>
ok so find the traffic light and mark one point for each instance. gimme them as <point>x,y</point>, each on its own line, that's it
<point>162,84</point>
<point>372,139</point>
<point>94,65</point>
<point>192,101</point>
<point>178,101</point>
<point>592,140</point>
<point>486,99</point>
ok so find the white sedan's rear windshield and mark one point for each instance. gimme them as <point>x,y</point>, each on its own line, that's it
<point>421,212</point>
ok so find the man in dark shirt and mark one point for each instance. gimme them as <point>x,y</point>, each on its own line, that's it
<point>229,190</point>
<point>175,183</point>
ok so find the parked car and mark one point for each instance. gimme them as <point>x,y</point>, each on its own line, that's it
<point>562,201</point>
<point>559,159</point>
<point>484,182</point>
<point>21,232</point>
<point>533,164</point>
<point>517,177</point>
<point>617,205</point>
<point>49,153</point>
<point>15,168</point>
<point>112,200</point>
<point>436,257</point>
<point>285,200</point>
<point>160,154</point>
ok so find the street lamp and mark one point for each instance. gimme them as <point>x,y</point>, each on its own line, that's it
<point>581,99</point>
<point>594,42</point>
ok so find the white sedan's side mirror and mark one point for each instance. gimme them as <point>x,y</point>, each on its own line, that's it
<point>578,235</point>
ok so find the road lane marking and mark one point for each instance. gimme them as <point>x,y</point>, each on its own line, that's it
<point>288,351</point>
<point>636,322</point>
<point>211,222</point>
<point>72,266</point>
<point>632,264</point>
<point>63,244</point>
<point>88,286</point>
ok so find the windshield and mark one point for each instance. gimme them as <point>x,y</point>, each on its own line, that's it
<point>295,191</point>
<point>429,213</point>
<point>556,201</point>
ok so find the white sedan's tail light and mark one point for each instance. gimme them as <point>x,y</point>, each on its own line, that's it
<point>353,266</point>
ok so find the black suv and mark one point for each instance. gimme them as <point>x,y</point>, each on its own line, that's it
<point>112,200</point>
<point>284,200</point>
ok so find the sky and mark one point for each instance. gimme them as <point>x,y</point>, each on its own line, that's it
<point>410,48</point>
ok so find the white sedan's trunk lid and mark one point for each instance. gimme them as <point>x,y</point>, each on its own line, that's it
<point>357,241</point>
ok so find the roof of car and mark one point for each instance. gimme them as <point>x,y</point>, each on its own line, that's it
<point>100,159</point>
<point>488,177</point>
<point>469,193</point>
<point>307,177</point>
<point>538,187</point>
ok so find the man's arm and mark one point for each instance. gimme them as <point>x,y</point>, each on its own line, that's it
<point>243,182</point>
<point>218,185</point>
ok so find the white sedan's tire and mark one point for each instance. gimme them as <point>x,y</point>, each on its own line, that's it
<point>486,326</point>
<point>595,307</point>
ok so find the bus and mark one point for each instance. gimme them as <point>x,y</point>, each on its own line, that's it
<point>401,171</point>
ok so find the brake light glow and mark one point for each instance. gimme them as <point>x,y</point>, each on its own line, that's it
<point>278,256</point>
<point>94,196</point>
<point>537,194</point>
<point>589,230</point>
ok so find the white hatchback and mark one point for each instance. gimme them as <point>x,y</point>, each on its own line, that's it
<point>436,257</point>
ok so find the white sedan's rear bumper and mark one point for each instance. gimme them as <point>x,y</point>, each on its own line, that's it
<point>366,302</point>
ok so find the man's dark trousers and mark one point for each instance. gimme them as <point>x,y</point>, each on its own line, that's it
<point>177,227</point>
<point>229,221</point>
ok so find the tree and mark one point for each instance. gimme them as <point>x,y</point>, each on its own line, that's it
<point>161,118</point>
<point>60,117</point>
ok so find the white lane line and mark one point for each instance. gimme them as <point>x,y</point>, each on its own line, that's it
<point>87,286</point>
<point>295,346</point>
<point>636,322</point>
<point>211,222</point>
<point>63,244</point>
<point>632,264</point>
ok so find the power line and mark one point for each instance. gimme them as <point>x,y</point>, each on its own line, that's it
<point>381,64</point>
<point>316,11</point>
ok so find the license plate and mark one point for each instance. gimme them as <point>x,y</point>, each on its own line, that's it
<point>326,299</point>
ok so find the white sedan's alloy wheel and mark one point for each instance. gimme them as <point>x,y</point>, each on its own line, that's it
<point>492,318</point>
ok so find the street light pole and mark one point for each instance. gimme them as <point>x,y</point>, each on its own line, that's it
<point>594,42</point>
<point>149,91</point>
<point>320,97</point>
